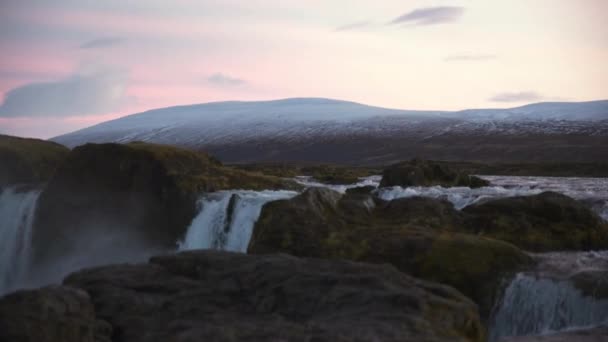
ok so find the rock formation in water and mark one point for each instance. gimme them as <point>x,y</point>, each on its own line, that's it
<point>427,173</point>
<point>146,192</point>
<point>30,161</point>
<point>417,235</point>
<point>220,296</point>
<point>542,223</point>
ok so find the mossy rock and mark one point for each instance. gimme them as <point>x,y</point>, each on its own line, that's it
<point>427,173</point>
<point>546,222</point>
<point>592,283</point>
<point>29,161</point>
<point>146,191</point>
<point>417,235</point>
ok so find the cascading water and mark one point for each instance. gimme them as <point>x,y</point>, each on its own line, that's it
<point>226,219</point>
<point>308,182</point>
<point>17,209</point>
<point>459,196</point>
<point>548,300</point>
<point>592,191</point>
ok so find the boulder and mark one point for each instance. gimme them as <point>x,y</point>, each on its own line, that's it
<point>546,222</point>
<point>30,161</point>
<point>134,193</point>
<point>594,334</point>
<point>220,296</point>
<point>51,314</point>
<point>427,173</point>
<point>417,235</point>
<point>362,190</point>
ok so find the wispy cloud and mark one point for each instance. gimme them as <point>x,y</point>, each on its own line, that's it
<point>430,16</point>
<point>102,42</point>
<point>470,58</point>
<point>220,79</point>
<point>522,96</point>
<point>354,26</point>
<point>89,92</point>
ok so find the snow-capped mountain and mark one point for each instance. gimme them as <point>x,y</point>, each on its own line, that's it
<point>324,129</point>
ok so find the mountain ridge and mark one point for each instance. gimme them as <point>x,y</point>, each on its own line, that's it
<point>300,128</point>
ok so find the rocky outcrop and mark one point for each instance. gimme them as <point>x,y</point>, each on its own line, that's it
<point>220,296</point>
<point>51,314</point>
<point>140,193</point>
<point>596,334</point>
<point>426,173</point>
<point>29,161</point>
<point>544,222</point>
<point>417,235</point>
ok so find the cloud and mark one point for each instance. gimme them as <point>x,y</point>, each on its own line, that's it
<point>88,92</point>
<point>102,42</point>
<point>522,96</point>
<point>470,58</point>
<point>224,80</point>
<point>353,26</point>
<point>430,16</point>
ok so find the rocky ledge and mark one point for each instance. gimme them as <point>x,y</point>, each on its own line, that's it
<point>595,334</point>
<point>220,296</point>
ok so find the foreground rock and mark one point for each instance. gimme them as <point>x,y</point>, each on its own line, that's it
<point>597,334</point>
<point>135,193</point>
<point>426,173</point>
<point>417,235</point>
<point>220,296</point>
<point>50,314</point>
<point>28,160</point>
<point>542,223</point>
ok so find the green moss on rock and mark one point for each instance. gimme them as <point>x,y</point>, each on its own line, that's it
<point>417,235</point>
<point>140,189</point>
<point>541,223</point>
<point>28,160</point>
<point>427,173</point>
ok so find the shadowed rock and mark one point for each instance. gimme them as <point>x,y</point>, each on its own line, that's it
<point>417,235</point>
<point>51,314</point>
<point>220,296</point>
<point>546,222</point>
<point>426,173</point>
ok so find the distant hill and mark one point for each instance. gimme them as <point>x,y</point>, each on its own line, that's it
<point>325,130</point>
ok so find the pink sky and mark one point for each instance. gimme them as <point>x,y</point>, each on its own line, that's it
<point>68,64</point>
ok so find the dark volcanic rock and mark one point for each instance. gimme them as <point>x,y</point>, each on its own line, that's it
<point>426,173</point>
<point>51,314</point>
<point>417,235</point>
<point>219,296</point>
<point>545,222</point>
<point>362,190</point>
<point>28,160</point>
<point>136,193</point>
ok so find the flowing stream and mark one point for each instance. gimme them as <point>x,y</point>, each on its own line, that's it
<point>17,209</point>
<point>565,291</point>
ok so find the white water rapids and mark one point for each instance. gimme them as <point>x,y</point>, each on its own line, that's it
<point>593,191</point>
<point>547,299</point>
<point>226,219</point>
<point>17,210</point>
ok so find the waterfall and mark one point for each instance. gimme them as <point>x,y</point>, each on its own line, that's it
<point>226,219</point>
<point>17,210</point>
<point>548,300</point>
